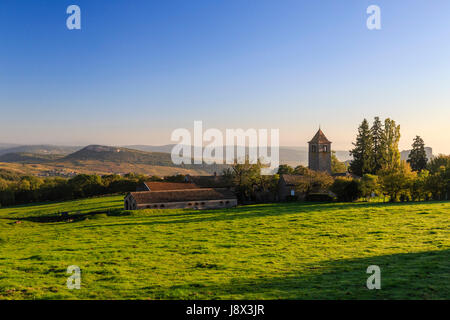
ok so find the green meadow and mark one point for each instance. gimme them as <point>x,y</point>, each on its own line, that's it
<point>265,251</point>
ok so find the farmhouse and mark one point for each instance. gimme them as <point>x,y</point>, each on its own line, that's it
<point>202,198</point>
<point>287,187</point>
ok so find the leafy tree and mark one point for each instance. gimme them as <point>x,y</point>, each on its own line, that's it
<point>85,185</point>
<point>7,195</point>
<point>301,170</point>
<point>369,185</point>
<point>418,157</point>
<point>389,145</point>
<point>362,152</point>
<point>346,189</point>
<point>336,165</point>
<point>3,185</point>
<point>246,177</point>
<point>28,189</point>
<point>266,187</point>
<point>285,169</point>
<point>438,184</point>
<point>419,188</point>
<point>436,163</point>
<point>314,181</point>
<point>397,182</point>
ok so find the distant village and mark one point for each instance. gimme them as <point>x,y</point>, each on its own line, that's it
<point>208,192</point>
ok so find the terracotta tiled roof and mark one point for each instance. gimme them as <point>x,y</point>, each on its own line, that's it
<point>292,179</point>
<point>182,195</point>
<point>319,138</point>
<point>161,186</point>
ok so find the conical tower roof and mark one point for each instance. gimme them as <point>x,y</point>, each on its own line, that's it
<point>319,138</point>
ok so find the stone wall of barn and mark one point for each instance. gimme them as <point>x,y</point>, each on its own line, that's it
<point>203,204</point>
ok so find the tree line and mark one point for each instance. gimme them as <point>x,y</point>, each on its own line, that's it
<point>376,159</point>
<point>377,169</point>
<point>20,189</point>
<point>399,184</point>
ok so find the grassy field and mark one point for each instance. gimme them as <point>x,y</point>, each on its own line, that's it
<point>268,251</point>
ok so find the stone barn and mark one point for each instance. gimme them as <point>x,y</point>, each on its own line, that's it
<point>204,198</point>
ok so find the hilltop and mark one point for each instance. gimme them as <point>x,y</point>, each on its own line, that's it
<point>106,153</point>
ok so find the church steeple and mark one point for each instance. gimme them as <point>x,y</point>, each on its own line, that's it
<point>319,152</point>
<point>319,137</point>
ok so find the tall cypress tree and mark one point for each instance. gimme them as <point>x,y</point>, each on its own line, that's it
<point>418,157</point>
<point>362,152</point>
<point>389,145</point>
<point>376,132</point>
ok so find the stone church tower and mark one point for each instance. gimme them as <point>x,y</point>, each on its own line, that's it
<point>319,153</point>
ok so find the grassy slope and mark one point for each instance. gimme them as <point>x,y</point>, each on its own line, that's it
<point>294,251</point>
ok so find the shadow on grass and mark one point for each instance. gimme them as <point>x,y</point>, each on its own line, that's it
<point>70,217</point>
<point>195,216</point>
<point>246,212</point>
<point>424,275</point>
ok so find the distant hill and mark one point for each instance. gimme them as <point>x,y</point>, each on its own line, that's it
<point>164,148</point>
<point>122,160</point>
<point>119,154</point>
<point>40,149</point>
<point>8,145</point>
<point>23,157</point>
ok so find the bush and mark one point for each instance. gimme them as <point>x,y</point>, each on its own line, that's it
<point>346,189</point>
<point>321,197</point>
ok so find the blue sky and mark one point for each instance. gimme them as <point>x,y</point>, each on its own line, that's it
<point>137,70</point>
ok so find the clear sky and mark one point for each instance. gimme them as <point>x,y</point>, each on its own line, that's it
<point>137,70</point>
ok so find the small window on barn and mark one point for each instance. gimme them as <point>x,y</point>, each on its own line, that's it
<point>292,192</point>
<point>155,206</point>
<point>161,206</point>
<point>325,148</point>
<point>189,204</point>
<point>196,203</point>
<point>221,202</point>
<point>202,203</point>
<point>227,201</point>
<point>313,148</point>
